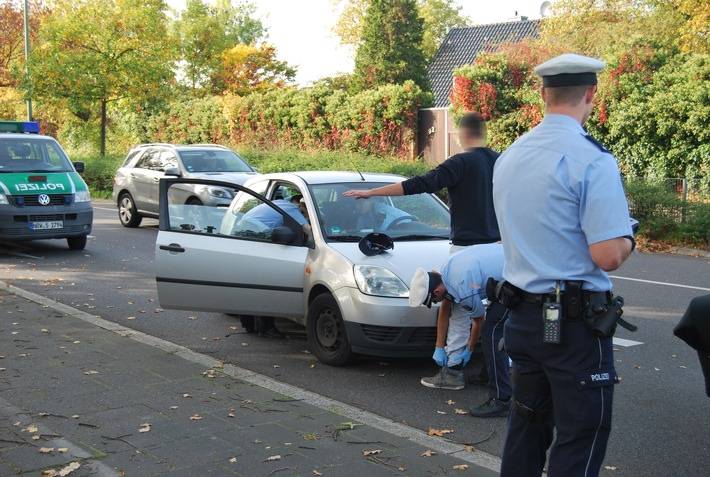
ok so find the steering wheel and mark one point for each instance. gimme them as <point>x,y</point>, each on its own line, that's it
<point>401,219</point>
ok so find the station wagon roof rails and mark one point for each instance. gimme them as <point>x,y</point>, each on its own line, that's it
<point>205,145</point>
<point>156,144</point>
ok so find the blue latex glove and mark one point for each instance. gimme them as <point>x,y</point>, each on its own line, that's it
<point>466,356</point>
<point>440,357</point>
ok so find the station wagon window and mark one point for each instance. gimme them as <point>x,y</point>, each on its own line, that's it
<point>167,160</point>
<point>148,161</point>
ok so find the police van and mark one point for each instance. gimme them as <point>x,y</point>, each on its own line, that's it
<point>42,195</point>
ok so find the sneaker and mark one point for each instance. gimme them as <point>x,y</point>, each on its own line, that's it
<point>446,378</point>
<point>492,408</point>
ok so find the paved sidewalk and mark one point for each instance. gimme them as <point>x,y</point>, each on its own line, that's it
<point>74,393</point>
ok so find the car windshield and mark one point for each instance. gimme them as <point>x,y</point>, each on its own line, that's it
<point>213,160</point>
<point>32,155</point>
<point>413,217</point>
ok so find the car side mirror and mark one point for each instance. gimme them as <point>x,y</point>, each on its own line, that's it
<point>173,171</point>
<point>79,166</point>
<point>282,235</point>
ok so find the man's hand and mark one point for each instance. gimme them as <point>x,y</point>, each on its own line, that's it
<point>466,356</point>
<point>358,193</point>
<point>440,357</point>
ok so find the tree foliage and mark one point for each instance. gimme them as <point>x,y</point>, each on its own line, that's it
<point>249,69</point>
<point>439,16</point>
<point>206,31</point>
<point>94,52</point>
<point>391,46</point>
<point>12,36</point>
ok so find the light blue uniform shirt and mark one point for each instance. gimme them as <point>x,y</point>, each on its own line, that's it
<point>555,193</point>
<point>271,218</point>
<point>466,273</point>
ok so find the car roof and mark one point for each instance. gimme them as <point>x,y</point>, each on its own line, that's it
<point>183,147</point>
<point>24,136</point>
<point>332,177</point>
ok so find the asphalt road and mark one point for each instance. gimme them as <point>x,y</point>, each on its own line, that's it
<point>661,414</point>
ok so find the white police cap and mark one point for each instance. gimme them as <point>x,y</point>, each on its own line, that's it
<point>569,70</point>
<point>421,287</point>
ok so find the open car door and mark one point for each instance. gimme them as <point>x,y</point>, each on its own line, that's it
<point>247,259</point>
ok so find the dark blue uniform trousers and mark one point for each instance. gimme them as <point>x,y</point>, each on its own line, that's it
<point>567,387</point>
<point>497,362</point>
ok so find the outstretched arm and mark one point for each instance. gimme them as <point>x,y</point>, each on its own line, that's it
<point>390,189</point>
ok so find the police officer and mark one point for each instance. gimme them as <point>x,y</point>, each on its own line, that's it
<point>564,221</point>
<point>461,289</point>
<point>694,329</point>
<point>468,180</point>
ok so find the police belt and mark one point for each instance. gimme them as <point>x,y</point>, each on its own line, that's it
<point>542,298</point>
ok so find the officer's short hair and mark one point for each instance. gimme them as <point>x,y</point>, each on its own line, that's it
<point>473,124</point>
<point>566,95</point>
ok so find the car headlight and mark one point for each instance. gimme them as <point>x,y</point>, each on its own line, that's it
<point>378,281</point>
<point>3,200</point>
<point>82,196</point>
<point>220,192</point>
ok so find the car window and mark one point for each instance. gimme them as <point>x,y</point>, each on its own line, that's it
<point>289,193</point>
<point>247,217</point>
<point>147,161</point>
<point>415,217</point>
<point>213,160</point>
<point>130,157</point>
<point>32,155</point>
<point>167,160</point>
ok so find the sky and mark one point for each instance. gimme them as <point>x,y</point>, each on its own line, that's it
<point>301,30</point>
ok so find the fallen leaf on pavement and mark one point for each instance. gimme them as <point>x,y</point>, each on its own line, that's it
<point>68,469</point>
<point>31,429</point>
<point>439,432</point>
<point>76,342</point>
<point>144,427</point>
<point>461,467</point>
<point>75,416</point>
<point>450,402</point>
<point>610,467</point>
<point>195,417</point>
<point>49,473</point>
<point>273,458</point>
<point>441,412</point>
<point>63,450</point>
<point>312,366</point>
<point>233,460</point>
<point>131,318</point>
<point>367,452</point>
<point>172,408</point>
<point>469,449</point>
<point>315,472</point>
<point>91,371</point>
<point>36,438</point>
<point>460,411</point>
<point>46,450</point>
<point>186,395</point>
<point>427,453</point>
<point>231,413</point>
<point>44,330</point>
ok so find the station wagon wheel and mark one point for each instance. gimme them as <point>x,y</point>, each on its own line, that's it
<point>127,212</point>
<point>327,337</point>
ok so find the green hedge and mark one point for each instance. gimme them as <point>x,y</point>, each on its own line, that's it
<point>379,122</point>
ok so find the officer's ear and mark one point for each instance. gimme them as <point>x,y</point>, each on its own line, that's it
<point>589,94</point>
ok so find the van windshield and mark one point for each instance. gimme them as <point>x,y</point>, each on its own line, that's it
<point>32,155</point>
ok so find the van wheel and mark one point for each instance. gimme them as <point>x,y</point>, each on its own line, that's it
<point>77,243</point>
<point>127,212</point>
<point>327,337</point>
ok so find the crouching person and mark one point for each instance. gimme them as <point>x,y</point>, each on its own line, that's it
<point>463,317</point>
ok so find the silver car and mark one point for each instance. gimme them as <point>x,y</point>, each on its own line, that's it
<point>135,185</point>
<point>287,247</point>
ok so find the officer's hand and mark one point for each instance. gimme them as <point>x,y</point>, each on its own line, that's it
<point>357,193</point>
<point>440,357</point>
<point>466,356</point>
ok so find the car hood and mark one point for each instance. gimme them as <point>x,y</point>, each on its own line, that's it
<point>238,178</point>
<point>403,259</point>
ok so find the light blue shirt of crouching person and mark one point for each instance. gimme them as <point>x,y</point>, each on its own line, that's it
<point>583,203</point>
<point>466,273</point>
<point>271,218</point>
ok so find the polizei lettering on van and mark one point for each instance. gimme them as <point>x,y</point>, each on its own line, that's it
<point>39,187</point>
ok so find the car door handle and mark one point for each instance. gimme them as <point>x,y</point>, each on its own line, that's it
<point>173,247</point>
<point>133,176</point>
<point>156,179</point>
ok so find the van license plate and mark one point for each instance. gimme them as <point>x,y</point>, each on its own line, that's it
<point>47,225</point>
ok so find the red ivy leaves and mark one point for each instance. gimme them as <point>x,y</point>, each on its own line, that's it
<point>470,97</point>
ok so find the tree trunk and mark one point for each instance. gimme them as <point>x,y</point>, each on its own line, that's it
<point>103,127</point>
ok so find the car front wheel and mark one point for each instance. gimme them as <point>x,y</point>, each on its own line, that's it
<point>127,212</point>
<point>327,337</point>
<point>77,243</point>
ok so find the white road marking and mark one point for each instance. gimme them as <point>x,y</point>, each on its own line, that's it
<point>625,343</point>
<point>442,446</point>
<point>678,285</point>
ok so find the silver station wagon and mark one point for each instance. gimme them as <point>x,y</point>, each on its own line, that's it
<point>287,246</point>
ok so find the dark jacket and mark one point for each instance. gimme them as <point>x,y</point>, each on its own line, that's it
<point>469,179</point>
